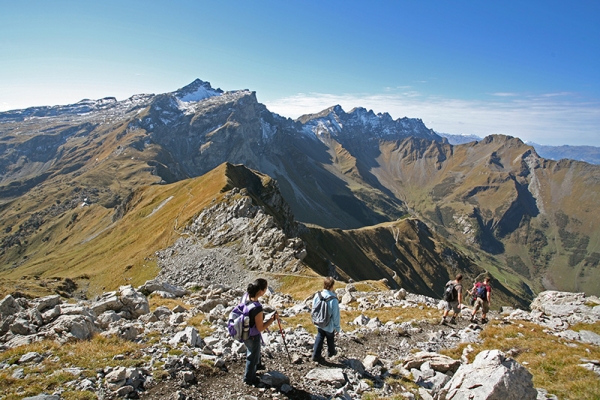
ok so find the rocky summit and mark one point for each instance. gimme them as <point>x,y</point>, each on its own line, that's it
<point>185,351</point>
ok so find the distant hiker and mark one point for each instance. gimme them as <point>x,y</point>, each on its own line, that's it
<point>328,328</point>
<point>473,292</point>
<point>256,325</point>
<point>483,293</point>
<point>453,298</point>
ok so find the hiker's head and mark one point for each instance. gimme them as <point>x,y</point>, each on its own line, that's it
<point>458,278</point>
<point>259,285</point>
<point>328,283</point>
<point>486,280</point>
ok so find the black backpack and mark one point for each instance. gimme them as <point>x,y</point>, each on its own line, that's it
<point>450,293</point>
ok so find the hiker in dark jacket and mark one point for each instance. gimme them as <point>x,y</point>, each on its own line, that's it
<point>257,324</point>
<point>455,304</point>
<point>484,295</point>
<point>329,331</point>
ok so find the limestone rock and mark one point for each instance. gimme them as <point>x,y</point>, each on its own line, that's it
<point>438,362</point>
<point>328,376</point>
<point>491,376</point>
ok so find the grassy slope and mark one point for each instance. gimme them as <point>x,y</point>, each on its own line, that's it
<point>440,192</point>
<point>112,254</point>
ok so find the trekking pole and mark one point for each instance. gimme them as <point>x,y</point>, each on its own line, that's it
<point>283,337</point>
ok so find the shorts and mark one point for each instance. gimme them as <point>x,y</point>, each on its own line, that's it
<point>453,306</point>
<point>484,305</point>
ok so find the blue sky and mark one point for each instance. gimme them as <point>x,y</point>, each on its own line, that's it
<point>529,69</point>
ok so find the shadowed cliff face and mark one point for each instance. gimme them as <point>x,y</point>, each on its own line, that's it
<point>512,211</point>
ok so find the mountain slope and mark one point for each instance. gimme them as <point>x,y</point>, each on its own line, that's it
<point>524,218</point>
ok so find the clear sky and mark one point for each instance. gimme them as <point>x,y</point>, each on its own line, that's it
<point>526,68</point>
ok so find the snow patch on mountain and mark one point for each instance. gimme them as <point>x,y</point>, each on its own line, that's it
<point>200,93</point>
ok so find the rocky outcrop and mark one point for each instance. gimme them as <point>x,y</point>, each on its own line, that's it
<point>51,317</point>
<point>491,376</point>
<point>236,238</point>
<point>558,311</point>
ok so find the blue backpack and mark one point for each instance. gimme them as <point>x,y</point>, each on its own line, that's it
<point>482,292</point>
<point>238,323</point>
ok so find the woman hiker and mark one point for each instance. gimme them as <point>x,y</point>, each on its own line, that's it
<point>257,324</point>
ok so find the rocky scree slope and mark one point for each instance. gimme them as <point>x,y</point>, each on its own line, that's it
<point>183,364</point>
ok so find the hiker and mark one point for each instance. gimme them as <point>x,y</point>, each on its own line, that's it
<point>453,297</point>
<point>253,344</point>
<point>483,293</point>
<point>473,293</point>
<point>332,327</point>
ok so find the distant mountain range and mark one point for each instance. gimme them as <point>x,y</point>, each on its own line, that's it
<point>590,154</point>
<point>95,190</point>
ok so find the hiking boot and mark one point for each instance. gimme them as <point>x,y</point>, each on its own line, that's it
<point>318,359</point>
<point>473,320</point>
<point>484,320</point>
<point>332,354</point>
<point>453,321</point>
<point>255,382</point>
<point>443,321</point>
<point>261,367</point>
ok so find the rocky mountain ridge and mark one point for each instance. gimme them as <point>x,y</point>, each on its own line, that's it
<point>589,154</point>
<point>526,220</point>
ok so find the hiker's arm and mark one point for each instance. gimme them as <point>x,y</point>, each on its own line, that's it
<point>335,315</point>
<point>262,325</point>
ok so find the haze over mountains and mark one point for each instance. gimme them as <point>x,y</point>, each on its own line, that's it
<point>93,190</point>
<point>590,154</point>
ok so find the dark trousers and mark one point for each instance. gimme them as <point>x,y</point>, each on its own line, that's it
<point>319,341</point>
<point>252,358</point>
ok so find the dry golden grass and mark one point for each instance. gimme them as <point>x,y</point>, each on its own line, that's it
<point>157,301</point>
<point>114,254</point>
<point>371,286</point>
<point>47,375</point>
<point>301,287</point>
<point>201,324</point>
<point>595,327</point>
<point>553,363</point>
<point>397,315</point>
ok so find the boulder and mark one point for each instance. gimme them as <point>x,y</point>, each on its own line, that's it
<point>107,318</point>
<point>189,336</point>
<point>275,379</point>
<point>348,298</point>
<point>327,376</point>
<point>438,362</point>
<point>48,302</point>
<point>133,301</point>
<point>32,356</point>
<point>491,376</point>
<point>108,301</point>
<point>155,285</point>
<point>80,326</point>
<point>9,306</point>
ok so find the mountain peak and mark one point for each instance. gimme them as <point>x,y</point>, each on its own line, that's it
<point>196,91</point>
